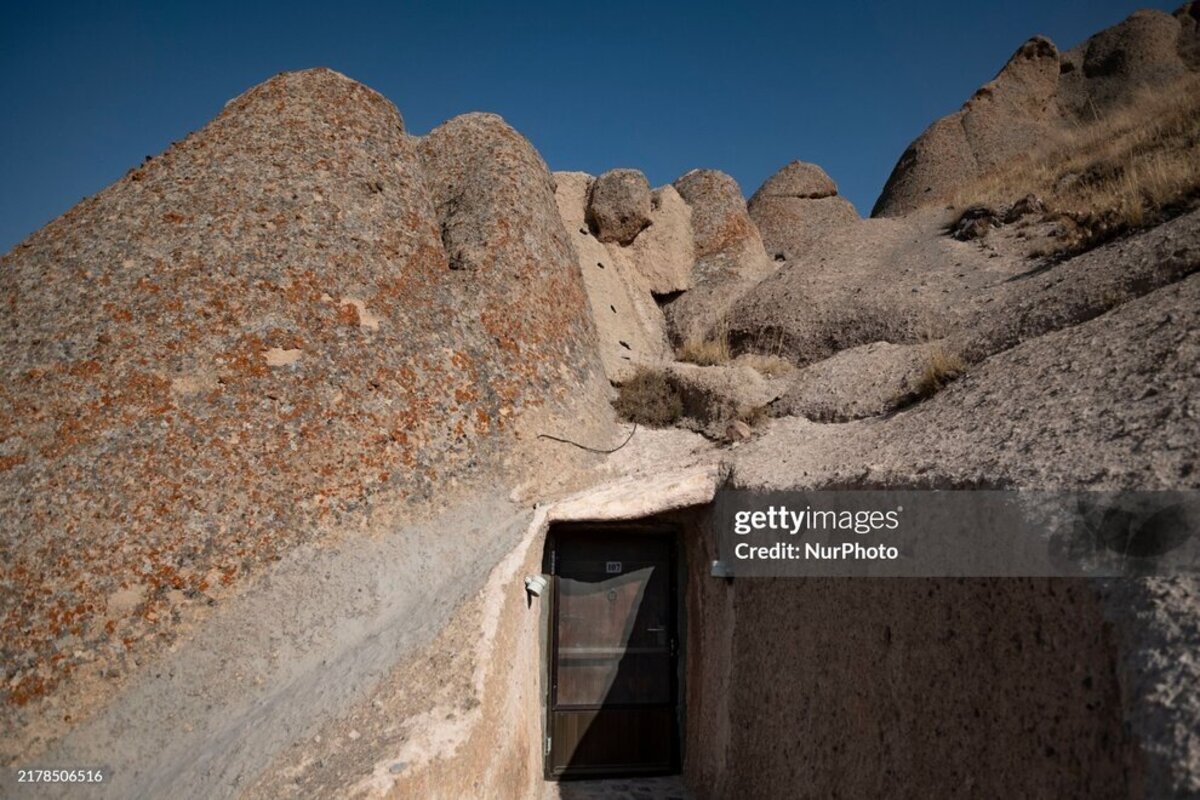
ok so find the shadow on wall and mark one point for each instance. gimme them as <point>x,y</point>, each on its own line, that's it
<point>943,687</point>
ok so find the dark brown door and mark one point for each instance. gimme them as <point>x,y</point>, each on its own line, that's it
<point>612,671</point>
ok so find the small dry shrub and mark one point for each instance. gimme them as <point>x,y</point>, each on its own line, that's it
<point>710,351</point>
<point>705,352</point>
<point>648,398</point>
<point>941,368</point>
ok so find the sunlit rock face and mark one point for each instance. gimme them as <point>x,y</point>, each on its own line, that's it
<point>289,317</point>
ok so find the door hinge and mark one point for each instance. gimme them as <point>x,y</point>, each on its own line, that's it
<point>547,745</point>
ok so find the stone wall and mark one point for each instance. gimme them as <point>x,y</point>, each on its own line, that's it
<point>854,687</point>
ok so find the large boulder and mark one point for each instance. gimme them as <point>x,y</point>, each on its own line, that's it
<point>798,179</point>
<point>1041,96</point>
<point>796,208</point>
<point>290,320</point>
<point>618,207</point>
<point>720,223</point>
<point>730,257</point>
<point>1137,47</point>
<point>1112,66</point>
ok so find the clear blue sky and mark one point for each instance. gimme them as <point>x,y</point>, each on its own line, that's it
<point>89,89</point>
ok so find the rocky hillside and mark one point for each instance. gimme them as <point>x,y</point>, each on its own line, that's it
<point>281,410</point>
<point>1043,97</point>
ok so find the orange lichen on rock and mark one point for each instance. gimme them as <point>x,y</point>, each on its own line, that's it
<point>292,323</point>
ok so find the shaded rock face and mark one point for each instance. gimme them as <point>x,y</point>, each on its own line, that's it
<point>730,257</point>
<point>618,206</point>
<point>796,207</point>
<point>629,324</point>
<point>1189,34</point>
<point>934,662</point>
<point>1039,94</point>
<point>289,318</point>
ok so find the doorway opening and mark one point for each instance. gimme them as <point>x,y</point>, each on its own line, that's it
<point>613,705</point>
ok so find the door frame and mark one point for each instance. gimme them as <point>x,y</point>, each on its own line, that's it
<point>673,534</point>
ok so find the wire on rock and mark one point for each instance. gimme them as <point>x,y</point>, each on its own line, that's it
<point>591,449</point>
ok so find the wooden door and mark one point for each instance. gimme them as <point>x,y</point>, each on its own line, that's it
<point>613,649</point>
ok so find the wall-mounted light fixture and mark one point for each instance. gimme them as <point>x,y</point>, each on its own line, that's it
<point>536,584</point>
<point>722,570</point>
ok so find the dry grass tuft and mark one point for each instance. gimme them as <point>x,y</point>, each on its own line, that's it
<point>768,366</point>
<point>708,352</point>
<point>705,352</point>
<point>753,415</point>
<point>648,398</point>
<point>1122,171</point>
<point>941,368</point>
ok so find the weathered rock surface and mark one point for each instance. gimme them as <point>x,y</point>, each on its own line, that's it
<point>630,325</point>
<point>1082,288</point>
<point>618,207</point>
<point>664,253</point>
<point>864,381</point>
<point>300,320</point>
<point>720,223</point>
<point>893,280</point>
<point>902,281</point>
<point>797,207</point>
<point>798,179</point>
<point>1037,95</point>
<point>730,257</point>
<point>287,321</point>
<point>1107,404</point>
